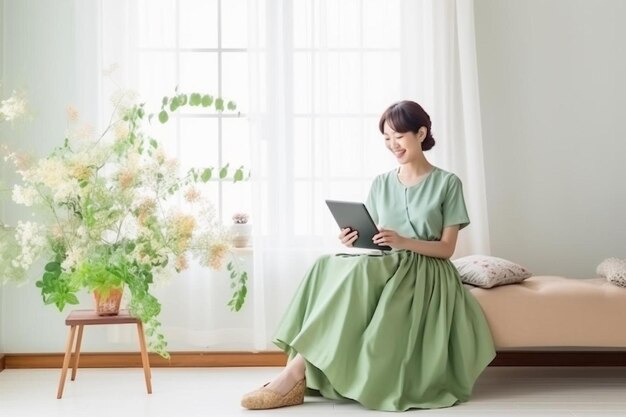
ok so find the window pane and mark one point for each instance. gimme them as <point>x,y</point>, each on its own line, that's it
<point>381,80</point>
<point>303,210</point>
<point>198,23</point>
<point>377,159</point>
<point>234,23</point>
<point>381,24</point>
<point>302,22</point>
<point>198,72</point>
<point>303,82</point>
<point>343,72</point>
<point>166,135</point>
<point>156,28</point>
<point>347,146</point>
<point>235,79</point>
<point>303,148</point>
<point>154,84</point>
<point>343,24</point>
<point>236,143</point>
<point>198,143</point>
<point>236,198</point>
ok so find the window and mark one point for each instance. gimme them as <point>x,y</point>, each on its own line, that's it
<point>199,46</point>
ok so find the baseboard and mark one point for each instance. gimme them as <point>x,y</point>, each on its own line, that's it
<point>241,359</point>
<point>560,358</point>
<point>133,360</point>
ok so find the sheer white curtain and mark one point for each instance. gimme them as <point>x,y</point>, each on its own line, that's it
<point>136,45</point>
<point>321,73</point>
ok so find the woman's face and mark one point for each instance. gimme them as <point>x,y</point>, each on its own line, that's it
<point>405,146</point>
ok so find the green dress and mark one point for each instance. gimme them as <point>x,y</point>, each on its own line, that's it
<point>396,331</point>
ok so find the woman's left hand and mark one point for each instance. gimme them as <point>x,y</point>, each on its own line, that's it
<point>389,238</point>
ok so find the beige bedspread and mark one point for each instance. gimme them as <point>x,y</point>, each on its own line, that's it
<point>555,311</point>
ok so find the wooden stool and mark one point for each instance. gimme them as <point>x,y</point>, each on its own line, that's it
<point>83,318</point>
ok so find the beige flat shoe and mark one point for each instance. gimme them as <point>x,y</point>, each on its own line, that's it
<point>263,398</point>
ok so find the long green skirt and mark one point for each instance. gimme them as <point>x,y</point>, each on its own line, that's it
<point>392,332</point>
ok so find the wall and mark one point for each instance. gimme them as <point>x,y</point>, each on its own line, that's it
<point>2,90</point>
<point>38,57</point>
<point>553,93</point>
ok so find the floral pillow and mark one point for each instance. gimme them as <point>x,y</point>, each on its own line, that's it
<point>614,270</point>
<point>488,271</point>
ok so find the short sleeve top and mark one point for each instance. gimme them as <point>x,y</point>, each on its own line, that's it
<point>420,211</point>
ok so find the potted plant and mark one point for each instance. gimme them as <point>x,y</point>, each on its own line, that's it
<point>241,230</point>
<point>110,224</point>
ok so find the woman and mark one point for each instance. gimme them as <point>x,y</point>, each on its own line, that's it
<point>397,331</point>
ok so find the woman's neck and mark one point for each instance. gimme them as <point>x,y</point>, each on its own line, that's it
<point>415,169</point>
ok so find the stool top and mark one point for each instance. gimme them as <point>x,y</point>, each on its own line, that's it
<point>82,317</point>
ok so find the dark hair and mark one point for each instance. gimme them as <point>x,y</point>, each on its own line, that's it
<point>407,116</point>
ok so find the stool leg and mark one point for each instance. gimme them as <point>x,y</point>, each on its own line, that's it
<point>79,339</point>
<point>144,357</point>
<point>66,360</point>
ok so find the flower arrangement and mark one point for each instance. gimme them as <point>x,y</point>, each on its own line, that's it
<point>110,218</point>
<point>240,218</point>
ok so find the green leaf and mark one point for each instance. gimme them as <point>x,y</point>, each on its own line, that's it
<point>195,99</point>
<point>224,172</point>
<point>206,174</point>
<point>153,143</point>
<point>207,100</point>
<point>53,267</point>
<point>174,104</point>
<point>219,104</point>
<point>163,117</point>
<point>71,299</point>
<point>238,175</point>
<point>182,99</point>
<point>164,101</point>
<point>231,105</point>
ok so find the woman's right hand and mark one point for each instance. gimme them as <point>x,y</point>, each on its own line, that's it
<point>348,236</point>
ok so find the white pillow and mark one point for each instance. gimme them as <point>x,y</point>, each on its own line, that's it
<point>488,271</point>
<point>614,270</point>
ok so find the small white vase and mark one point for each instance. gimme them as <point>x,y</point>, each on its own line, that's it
<point>241,234</point>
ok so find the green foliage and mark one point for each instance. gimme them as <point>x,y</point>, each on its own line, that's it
<point>101,208</point>
<point>54,288</point>
<point>239,280</point>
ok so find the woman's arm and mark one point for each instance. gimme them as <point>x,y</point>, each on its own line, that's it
<point>443,248</point>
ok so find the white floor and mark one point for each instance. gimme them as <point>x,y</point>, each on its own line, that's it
<point>509,392</point>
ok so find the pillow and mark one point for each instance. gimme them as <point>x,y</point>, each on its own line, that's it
<point>488,271</point>
<point>614,270</point>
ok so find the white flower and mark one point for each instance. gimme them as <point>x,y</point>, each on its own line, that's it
<point>25,195</point>
<point>31,237</point>
<point>13,107</point>
<point>74,256</point>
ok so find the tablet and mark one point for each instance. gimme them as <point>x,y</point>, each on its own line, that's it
<point>356,217</point>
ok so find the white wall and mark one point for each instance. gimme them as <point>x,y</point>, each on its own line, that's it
<point>553,94</point>
<point>38,39</point>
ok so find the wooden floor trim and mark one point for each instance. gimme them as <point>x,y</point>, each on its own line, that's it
<point>2,362</point>
<point>241,359</point>
<point>560,358</point>
<point>133,360</point>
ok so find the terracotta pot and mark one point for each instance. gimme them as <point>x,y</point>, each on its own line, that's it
<point>108,306</point>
